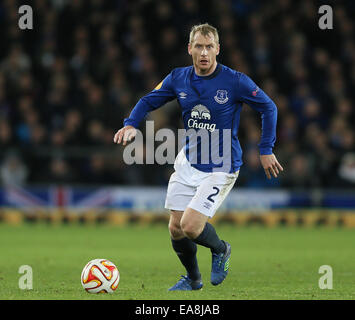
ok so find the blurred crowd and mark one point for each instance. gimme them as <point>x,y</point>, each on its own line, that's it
<point>67,85</point>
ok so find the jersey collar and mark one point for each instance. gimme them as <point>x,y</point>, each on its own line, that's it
<point>211,76</point>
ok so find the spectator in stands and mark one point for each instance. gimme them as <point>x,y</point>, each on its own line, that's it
<point>13,171</point>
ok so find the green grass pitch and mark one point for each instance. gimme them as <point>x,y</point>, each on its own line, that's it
<point>266,263</point>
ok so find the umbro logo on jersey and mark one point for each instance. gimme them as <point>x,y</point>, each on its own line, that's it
<point>182,95</point>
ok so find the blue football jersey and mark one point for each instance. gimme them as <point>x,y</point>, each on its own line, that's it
<point>211,107</point>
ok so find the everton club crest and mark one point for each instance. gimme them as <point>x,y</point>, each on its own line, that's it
<point>221,96</point>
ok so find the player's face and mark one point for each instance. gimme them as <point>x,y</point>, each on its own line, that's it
<point>203,51</point>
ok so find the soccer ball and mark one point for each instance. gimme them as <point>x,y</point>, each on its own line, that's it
<point>100,275</point>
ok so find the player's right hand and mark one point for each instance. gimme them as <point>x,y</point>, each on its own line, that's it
<point>125,134</point>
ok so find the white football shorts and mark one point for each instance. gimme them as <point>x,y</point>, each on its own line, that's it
<point>198,190</point>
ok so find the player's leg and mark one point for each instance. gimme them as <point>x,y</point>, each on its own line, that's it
<point>186,251</point>
<point>195,226</point>
<point>208,198</point>
<point>183,246</point>
<point>181,189</point>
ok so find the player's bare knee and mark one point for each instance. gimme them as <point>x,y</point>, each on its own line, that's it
<point>175,230</point>
<point>189,229</point>
<point>174,225</point>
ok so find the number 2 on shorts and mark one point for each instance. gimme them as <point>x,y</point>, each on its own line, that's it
<point>213,194</point>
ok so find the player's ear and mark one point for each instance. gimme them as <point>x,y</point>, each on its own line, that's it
<point>189,48</point>
<point>218,47</point>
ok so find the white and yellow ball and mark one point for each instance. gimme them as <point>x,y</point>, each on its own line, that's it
<point>100,275</point>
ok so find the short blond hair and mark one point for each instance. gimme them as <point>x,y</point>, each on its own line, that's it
<point>205,29</point>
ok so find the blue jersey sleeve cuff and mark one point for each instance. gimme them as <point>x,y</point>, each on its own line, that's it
<point>265,151</point>
<point>130,122</point>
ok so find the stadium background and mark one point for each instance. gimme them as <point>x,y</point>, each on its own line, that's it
<point>67,197</point>
<point>67,85</point>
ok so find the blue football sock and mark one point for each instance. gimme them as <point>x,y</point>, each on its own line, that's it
<point>209,238</point>
<point>186,251</point>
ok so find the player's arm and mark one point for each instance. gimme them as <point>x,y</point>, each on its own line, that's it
<point>251,94</point>
<point>161,94</point>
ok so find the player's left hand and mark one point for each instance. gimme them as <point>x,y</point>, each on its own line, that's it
<point>270,165</point>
